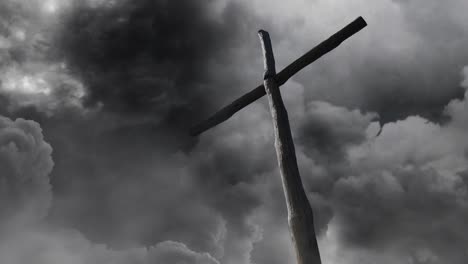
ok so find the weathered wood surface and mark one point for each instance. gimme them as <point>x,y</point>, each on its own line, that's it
<point>311,56</point>
<point>300,215</point>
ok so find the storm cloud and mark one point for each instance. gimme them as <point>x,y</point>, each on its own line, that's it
<point>26,162</point>
<point>112,87</point>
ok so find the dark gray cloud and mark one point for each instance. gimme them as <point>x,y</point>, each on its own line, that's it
<point>25,162</point>
<point>406,62</point>
<point>116,158</point>
<point>43,247</point>
<point>115,85</point>
<point>157,58</point>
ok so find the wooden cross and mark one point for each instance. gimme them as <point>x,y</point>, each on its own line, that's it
<point>300,215</point>
<point>281,78</point>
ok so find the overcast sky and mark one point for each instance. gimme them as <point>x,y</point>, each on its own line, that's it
<point>96,98</point>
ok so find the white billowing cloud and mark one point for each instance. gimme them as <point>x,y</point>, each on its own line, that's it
<point>406,192</point>
<point>59,247</point>
<point>413,141</point>
<point>403,63</point>
<point>400,197</point>
<point>25,164</point>
<point>25,197</point>
<point>417,142</point>
<point>29,76</point>
<point>47,87</point>
<point>396,198</point>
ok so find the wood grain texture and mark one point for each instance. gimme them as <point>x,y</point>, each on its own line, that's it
<point>299,64</point>
<point>300,215</point>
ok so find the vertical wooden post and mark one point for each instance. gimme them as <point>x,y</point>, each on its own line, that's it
<point>300,216</point>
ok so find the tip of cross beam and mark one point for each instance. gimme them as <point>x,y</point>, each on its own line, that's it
<point>361,21</point>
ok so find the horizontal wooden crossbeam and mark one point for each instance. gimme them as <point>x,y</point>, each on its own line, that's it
<point>299,64</point>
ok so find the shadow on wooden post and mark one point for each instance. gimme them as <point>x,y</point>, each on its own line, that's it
<point>300,216</point>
